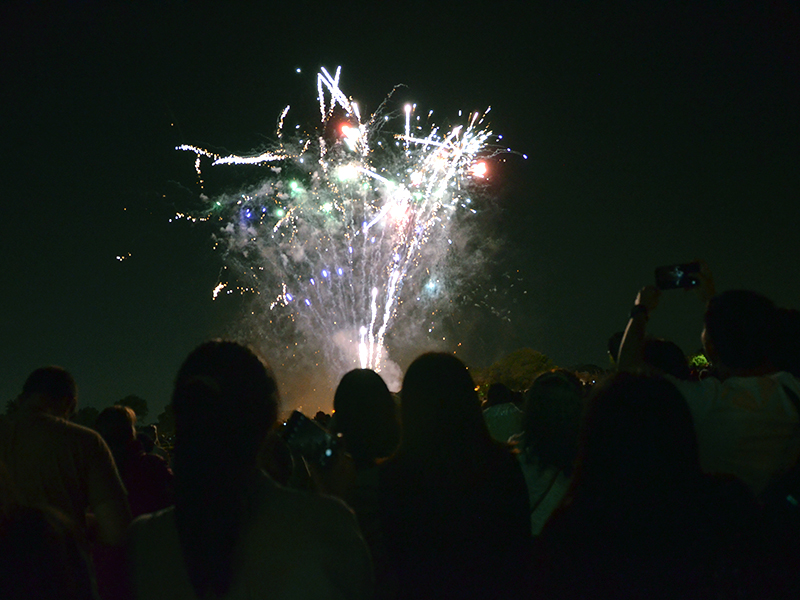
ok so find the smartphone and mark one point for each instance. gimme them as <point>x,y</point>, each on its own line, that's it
<point>309,439</point>
<point>673,277</point>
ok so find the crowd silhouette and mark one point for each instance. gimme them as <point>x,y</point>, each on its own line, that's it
<point>659,481</point>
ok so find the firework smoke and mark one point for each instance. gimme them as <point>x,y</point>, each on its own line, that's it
<point>353,227</point>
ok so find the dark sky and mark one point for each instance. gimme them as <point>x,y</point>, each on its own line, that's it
<point>657,132</point>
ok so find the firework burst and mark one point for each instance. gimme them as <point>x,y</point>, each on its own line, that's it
<point>353,224</point>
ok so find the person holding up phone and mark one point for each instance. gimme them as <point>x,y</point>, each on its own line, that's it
<point>744,417</point>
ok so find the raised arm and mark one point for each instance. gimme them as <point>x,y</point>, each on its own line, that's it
<point>631,352</point>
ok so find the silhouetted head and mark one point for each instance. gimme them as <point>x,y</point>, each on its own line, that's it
<point>498,393</point>
<point>553,408</point>
<point>366,416</point>
<point>51,389</point>
<point>638,437</point>
<point>146,442</point>
<point>440,409</point>
<point>322,418</point>
<point>666,356</point>
<point>150,431</point>
<point>739,329</point>
<point>225,400</point>
<point>147,436</point>
<point>117,425</point>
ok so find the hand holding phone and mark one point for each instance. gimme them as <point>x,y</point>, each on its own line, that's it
<point>309,439</point>
<point>681,276</point>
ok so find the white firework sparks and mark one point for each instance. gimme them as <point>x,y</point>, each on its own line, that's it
<point>351,221</point>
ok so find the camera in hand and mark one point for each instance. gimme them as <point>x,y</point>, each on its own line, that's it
<point>309,439</point>
<point>673,277</point>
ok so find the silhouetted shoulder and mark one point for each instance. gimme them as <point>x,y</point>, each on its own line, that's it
<point>297,544</point>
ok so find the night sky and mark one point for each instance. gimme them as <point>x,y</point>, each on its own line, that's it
<point>656,132</point>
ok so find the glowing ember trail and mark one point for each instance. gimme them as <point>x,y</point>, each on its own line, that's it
<point>352,225</point>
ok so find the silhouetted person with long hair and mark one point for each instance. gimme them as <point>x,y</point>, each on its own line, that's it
<point>366,415</point>
<point>454,506</point>
<point>549,443</point>
<point>640,519</point>
<point>234,532</point>
<point>147,477</point>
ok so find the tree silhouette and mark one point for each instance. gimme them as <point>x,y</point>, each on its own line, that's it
<point>166,421</point>
<point>136,404</point>
<point>86,416</point>
<point>516,370</point>
<point>12,406</point>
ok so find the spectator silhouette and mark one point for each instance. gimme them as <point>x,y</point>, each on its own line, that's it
<point>745,419</point>
<point>322,418</point>
<point>663,355</point>
<point>502,416</point>
<point>667,357</point>
<point>453,502</point>
<point>549,443</point>
<point>52,461</point>
<point>365,414</point>
<point>147,477</point>
<point>43,557</point>
<point>640,519</point>
<point>148,437</point>
<point>233,531</point>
